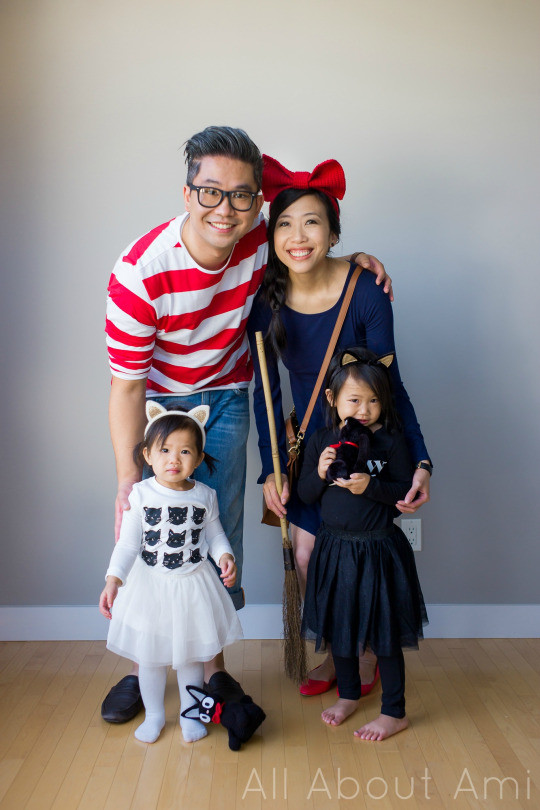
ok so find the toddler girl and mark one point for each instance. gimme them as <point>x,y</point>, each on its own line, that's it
<point>172,609</point>
<point>363,589</point>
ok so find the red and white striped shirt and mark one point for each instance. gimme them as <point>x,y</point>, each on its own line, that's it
<point>179,325</point>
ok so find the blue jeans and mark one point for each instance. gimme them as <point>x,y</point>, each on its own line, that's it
<point>226,437</point>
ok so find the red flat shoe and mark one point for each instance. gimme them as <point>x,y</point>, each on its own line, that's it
<point>367,687</point>
<point>313,687</point>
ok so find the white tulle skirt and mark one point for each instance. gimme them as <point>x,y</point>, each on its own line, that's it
<point>161,619</point>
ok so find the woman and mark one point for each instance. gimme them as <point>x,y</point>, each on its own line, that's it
<point>296,310</point>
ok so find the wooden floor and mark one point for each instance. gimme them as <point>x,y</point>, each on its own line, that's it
<point>474,708</point>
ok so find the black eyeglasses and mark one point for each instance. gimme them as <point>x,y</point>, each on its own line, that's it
<point>211,197</point>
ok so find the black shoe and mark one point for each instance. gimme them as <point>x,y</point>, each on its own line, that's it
<point>123,702</point>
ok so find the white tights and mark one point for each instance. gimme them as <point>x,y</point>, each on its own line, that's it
<point>152,682</point>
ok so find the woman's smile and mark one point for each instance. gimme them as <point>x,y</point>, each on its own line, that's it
<point>300,254</point>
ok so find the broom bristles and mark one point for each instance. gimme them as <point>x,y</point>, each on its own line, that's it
<point>295,658</point>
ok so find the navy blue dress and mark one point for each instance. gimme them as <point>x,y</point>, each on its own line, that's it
<point>369,322</point>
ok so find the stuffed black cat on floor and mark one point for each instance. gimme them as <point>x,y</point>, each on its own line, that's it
<point>224,701</point>
<point>352,450</point>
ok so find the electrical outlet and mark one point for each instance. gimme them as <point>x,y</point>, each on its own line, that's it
<point>412,529</point>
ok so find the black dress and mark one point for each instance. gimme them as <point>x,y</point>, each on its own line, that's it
<point>362,589</point>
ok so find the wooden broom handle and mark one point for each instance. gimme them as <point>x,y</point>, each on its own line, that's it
<point>271,426</point>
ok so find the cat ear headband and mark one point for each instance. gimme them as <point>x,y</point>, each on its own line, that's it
<point>199,415</point>
<point>351,357</point>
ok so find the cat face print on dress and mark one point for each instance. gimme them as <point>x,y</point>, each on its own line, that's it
<point>150,557</point>
<point>176,539</point>
<point>152,537</point>
<point>172,561</point>
<point>177,515</point>
<point>195,556</point>
<point>198,515</point>
<point>152,516</point>
<point>195,536</point>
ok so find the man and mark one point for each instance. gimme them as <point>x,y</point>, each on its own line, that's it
<point>179,300</point>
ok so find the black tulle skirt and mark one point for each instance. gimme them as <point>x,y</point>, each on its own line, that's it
<point>363,591</point>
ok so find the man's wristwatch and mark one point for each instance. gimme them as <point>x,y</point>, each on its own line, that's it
<point>423,465</point>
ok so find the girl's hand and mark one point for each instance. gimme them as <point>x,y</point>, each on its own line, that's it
<point>328,455</point>
<point>228,569</point>
<point>273,501</point>
<point>356,484</point>
<point>417,495</point>
<point>108,595</point>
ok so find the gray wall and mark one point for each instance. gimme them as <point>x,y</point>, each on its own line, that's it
<point>433,109</point>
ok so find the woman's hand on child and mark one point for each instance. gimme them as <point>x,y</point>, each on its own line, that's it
<point>356,484</point>
<point>273,501</point>
<point>228,569</point>
<point>328,455</point>
<point>418,494</point>
<point>108,595</point>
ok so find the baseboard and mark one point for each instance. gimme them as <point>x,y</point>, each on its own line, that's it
<point>84,623</point>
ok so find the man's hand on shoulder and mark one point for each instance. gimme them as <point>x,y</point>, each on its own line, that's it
<point>376,267</point>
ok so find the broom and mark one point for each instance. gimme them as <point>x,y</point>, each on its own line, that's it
<point>295,649</point>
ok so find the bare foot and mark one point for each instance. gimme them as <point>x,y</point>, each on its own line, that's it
<point>325,671</point>
<point>337,713</point>
<point>381,728</point>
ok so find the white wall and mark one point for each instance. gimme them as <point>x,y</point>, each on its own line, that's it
<point>433,109</point>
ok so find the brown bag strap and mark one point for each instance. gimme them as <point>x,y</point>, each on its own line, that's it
<point>330,350</point>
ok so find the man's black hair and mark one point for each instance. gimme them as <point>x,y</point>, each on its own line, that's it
<point>225,141</point>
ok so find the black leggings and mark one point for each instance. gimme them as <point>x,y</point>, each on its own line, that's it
<point>392,669</point>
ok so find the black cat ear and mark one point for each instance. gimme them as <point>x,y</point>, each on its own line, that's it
<point>349,357</point>
<point>386,359</point>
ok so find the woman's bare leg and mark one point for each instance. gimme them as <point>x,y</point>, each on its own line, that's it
<point>368,664</point>
<point>217,664</point>
<point>303,542</point>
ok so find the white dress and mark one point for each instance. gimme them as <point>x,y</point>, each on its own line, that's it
<point>172,609</point>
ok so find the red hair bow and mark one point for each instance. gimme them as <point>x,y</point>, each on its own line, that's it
<point>327,177</point>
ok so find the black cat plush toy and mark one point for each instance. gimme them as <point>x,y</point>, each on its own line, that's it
<point>352,450</point>
<point>224,701</point>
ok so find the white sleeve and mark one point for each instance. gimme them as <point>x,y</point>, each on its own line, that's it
<point>129,543</point>
<point>215,536</point>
